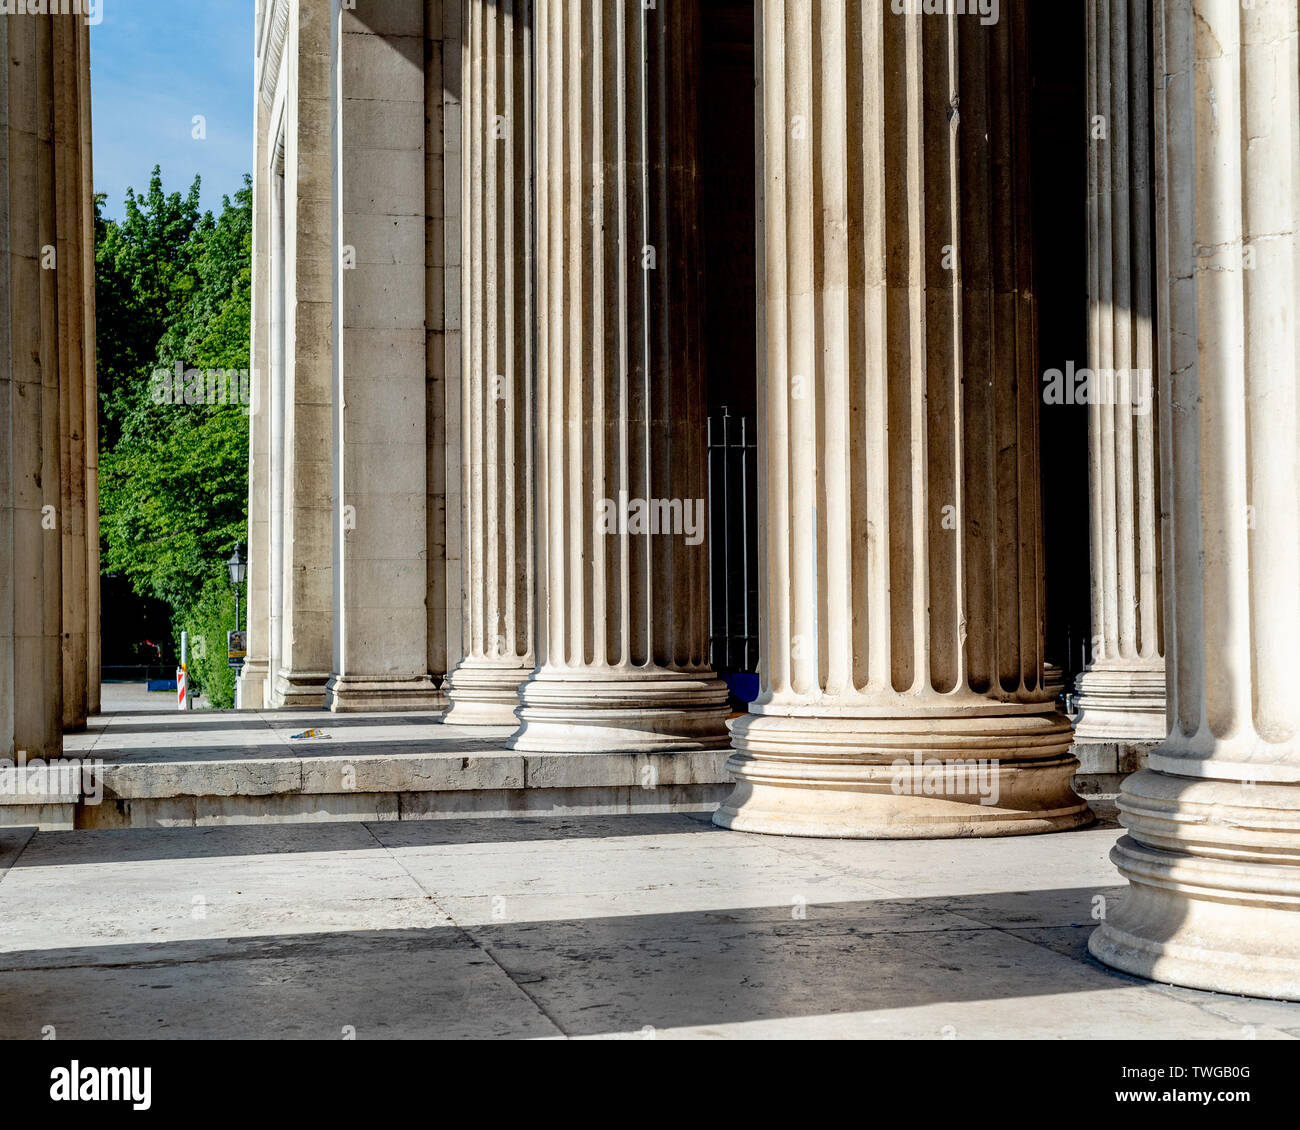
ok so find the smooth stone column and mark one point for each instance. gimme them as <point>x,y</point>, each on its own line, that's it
<point>622,644</point>
<point>1212,853</point>
<point>900,540</point>
<point>304,436</point>
<point>380,562</point>
<point>497,394</point>
<point>1122,692</point>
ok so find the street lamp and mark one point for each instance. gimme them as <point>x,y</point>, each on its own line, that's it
<point>238,567</point>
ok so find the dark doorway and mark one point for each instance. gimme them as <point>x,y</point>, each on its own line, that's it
<point>727,217</point>
<point>1058,62</point>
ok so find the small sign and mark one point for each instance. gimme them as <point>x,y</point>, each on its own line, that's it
<point>236,648</point>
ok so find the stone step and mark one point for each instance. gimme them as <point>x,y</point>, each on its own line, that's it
<point>148,769</point>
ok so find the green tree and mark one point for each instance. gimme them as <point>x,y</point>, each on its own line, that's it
<point>145,277</point>
<point>175,289</point>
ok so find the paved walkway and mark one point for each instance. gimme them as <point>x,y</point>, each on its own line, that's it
<point>624,926</point>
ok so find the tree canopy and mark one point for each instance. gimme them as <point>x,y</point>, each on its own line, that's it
<point>172,287</point>
<point>173,293</point>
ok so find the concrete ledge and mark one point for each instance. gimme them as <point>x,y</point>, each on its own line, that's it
<point>303,808</point>
<point>246,767</point>
<point>377,781</point>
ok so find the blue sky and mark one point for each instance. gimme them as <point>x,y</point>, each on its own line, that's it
<point>154,65</point>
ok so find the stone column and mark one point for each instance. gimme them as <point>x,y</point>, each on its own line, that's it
<point>31,499</point>
<point>900,540</point>
<point>380,544</point>
<point>623,611</point>
<point>273,114</point>
<point>275,314</point>
<point>442,190</point>
<point>497,357</point>
<point>253,677</point>
<point>1122,692</point>
<point>1213,846</point>
<point>86,213</point>
<point>70,296</point>
<point>310,258</point>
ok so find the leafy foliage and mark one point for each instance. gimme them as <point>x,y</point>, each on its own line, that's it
<point>207,622</point>
<point>173,287</point>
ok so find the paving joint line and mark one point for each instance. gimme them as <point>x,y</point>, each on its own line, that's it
<point>469,935</point>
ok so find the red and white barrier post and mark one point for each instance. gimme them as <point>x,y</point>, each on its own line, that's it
<point>182,691</point>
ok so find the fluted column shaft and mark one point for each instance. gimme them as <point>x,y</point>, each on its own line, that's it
<point>90,391</point>
<point>622,558</point>
<point>1122,692</point>
<point>496,371</point>
<point>302,607</point>
<point>68,266</point>
<point>47,425</point>
<point>900,543</point>
<point>254,677</point>
<point>1213,846</point>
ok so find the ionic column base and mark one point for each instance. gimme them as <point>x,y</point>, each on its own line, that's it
<point>356,694</point>
<point>620,710</point>
<point>299,689</point>
<point>919,777</point>
<point>252,682</point>
<point>1121,703</point>
<point>485,692</point>
<point>1214,886</point>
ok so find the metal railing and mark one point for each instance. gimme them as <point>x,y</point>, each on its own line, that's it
<point>733,544</point>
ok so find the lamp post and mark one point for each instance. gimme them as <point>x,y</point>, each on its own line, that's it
<point>237,566</point>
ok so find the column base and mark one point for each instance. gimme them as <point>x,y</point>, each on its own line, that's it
<point>485,692</point>
<point>299,689</point>
<point>1214,886</point>
<point>1121,704</point>
<point>934,776</point>
<point>619,710</point>
<point>1053,679</point>
<point>252,682</point>
<point>355,694</point>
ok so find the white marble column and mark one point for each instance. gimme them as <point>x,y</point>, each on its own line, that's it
<point>379,434</point>
<point>900,540</point>
<point>1212,853</point>
<point>1122,691</point>
<point>496,378</point>
<point>622,645</point>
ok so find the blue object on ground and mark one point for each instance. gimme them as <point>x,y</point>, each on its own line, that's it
<point>743,685</point>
